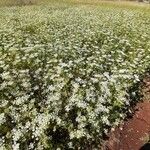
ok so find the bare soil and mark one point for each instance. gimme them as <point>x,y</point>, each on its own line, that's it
<point>133,134</point>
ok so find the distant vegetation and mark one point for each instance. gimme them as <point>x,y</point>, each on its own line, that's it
<point>17,2</point>
<point>31,2</point>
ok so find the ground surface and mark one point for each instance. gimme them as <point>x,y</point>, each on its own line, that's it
<point>133,134</point>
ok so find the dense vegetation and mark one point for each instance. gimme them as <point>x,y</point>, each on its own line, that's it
<point>65,72</point>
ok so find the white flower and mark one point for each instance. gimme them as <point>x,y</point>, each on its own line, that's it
<point>15,146</point>
<point>2,118</point>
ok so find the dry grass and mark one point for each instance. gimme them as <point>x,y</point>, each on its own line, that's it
<point>74,2</point>
<point>17,2</point>
<point>111,3</point>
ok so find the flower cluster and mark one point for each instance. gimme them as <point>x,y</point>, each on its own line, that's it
<point>65,73</point>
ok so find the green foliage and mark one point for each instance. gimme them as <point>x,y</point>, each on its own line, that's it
<point>65,73</point>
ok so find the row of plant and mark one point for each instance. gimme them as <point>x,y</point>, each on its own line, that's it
<point>65,73</point>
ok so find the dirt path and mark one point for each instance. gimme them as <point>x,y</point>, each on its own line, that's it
<point>134,134</point>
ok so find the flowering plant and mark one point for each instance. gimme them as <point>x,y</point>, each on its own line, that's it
<point>65,72</point>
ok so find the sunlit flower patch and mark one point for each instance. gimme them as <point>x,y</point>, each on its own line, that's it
<point>65,73</point>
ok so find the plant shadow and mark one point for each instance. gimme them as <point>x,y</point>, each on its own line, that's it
<point>145,147</point>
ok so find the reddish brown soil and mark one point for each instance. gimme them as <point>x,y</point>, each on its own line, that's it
<point>134,133</point>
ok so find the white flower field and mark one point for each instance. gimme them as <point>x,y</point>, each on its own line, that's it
<point>66,70</point>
